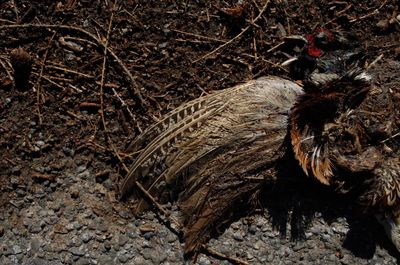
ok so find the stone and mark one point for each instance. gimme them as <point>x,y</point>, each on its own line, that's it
<point>34,228</point>
<point>83,261</point>
<point>253,229</point>
<point>77,251</point>
<point>16,249</point>
<point>383,25</point>
<point>171,238</point>
<point>122,240</point>
<point>123,258</point>
<point>35,244</point>
<point>238,237</point>
<point>77,225</point>
<point>81,168</point>
<point>86,237</point>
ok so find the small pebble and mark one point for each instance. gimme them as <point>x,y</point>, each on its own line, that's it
<point>86,237</point>
<point>383,25</point>
<point>77,251</point>
<point>237,236</point>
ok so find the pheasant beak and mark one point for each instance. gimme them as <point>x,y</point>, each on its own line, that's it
<point>392,229</point>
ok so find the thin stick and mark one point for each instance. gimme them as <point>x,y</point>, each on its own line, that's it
<point>52,82</point>
<point>377,59</point>
<point>105,45</point>
<point>67,80</point>
<point>135,91</point>
<point>103,76</point>
<point>66,70</point>
<point>10,161</point>
<point>369,14</point>
<point>223,256</point>
<point>391,137</point>
<point>6,69</point>
<point>37,85</point>
<point>151,198</point>
<point>338,14</point>
<point>80,39</point>
<point>198,36</point>
<point>103,70</point>
<point>234,38</point>
<point>159,207</point>
<point>7,21</point>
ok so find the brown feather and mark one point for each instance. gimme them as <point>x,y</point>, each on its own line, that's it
<point>206,155</point>
<point>318,112</point>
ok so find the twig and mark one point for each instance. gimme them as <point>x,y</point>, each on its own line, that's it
<point>391,137</point>
<point>135,91</point>
<point>223,256</point>
<point>275,65</point>
<point>52,82</point>
<point>67,80</point>
<point>159,207</point>
<point>197,36</point>
<point>10,161</point>
<point>66,70</point>
<point>7,21</point>
<point>143,190</point>
<point>151,198</point>
<point>255,48</point>
<point>338,14</point>
<point>105,45</point>
<point>80,39</point>
<point>369,14</point>
<point>123,103</point>
<point>377,59</point>
<point>73,115</point>
<point>6,69</point>
<point>236,37</point>
<point>37,85</point>
<point>276,47</point>
<point>103,70</point>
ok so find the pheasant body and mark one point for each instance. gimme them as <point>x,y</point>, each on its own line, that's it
<point>216,152</point>
<point>207,151</point>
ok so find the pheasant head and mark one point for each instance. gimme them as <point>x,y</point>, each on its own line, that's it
<point>326,56</point>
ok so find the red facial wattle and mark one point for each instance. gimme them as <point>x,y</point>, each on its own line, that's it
<point>312,50</point>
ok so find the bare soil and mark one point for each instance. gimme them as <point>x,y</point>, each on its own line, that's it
<point>175,51</point>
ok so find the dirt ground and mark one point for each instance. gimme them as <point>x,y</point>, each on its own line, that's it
<point>81,111</point>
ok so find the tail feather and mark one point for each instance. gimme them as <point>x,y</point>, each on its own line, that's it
<point>208,147</point>
<point>170,120</point>
<point>160,147</point>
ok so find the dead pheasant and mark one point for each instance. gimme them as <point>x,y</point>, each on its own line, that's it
<point>216,152</point>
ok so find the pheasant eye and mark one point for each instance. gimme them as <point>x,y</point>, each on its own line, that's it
<point>322,38</point>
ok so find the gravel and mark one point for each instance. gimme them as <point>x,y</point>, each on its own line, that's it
<point>65,229</point>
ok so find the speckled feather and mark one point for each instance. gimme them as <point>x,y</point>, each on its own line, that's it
<point>206,149</point>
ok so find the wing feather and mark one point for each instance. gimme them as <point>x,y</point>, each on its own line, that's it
<point>209,146</point>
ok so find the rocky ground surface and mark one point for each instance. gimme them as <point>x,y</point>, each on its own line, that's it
<point>59,171</point>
